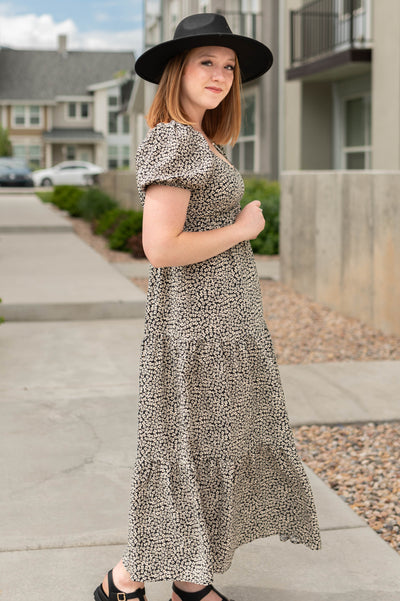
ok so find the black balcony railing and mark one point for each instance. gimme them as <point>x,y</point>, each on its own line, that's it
<point>326,26</point>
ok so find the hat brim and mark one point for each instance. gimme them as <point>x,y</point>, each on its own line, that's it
<point>254,57</point>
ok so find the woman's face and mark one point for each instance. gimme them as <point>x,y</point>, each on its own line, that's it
<point>207,78</point>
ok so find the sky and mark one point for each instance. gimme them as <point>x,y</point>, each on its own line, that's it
<point>88,24</point>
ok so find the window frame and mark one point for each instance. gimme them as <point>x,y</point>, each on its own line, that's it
<point>243,139</point>
<point>366,149</point>
<point>32,153</point>
<point>27,116</point>
<point>78,110</point>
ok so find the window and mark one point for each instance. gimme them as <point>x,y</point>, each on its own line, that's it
<point>118,156</point>
<point>204,6</point>
<point>357,132</point>
<point>72,110</point>
<point>31,154</point>
<point>125,124</point>
<point>27,116</point>
<point>34,115</point>
<point>71,153</point>
<point>244,151</point>
<point>77,110</point>
<point>349,4</point>
<point>112,157</point>
<point>125,156</point>
<point>19,115</point>
<point>112,122</point>
<point>113,101</point>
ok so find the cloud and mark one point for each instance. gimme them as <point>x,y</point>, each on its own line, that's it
<point>41,32</point>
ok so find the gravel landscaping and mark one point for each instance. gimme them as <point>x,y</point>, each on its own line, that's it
<point>360,462</point>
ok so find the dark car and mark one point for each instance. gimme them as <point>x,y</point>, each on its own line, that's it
<point>14,172</point>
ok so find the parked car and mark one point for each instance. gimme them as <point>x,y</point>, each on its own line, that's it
<point>14,172</point>
<point>74,173</point>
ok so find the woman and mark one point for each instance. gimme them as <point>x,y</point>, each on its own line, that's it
<point>216,462</point>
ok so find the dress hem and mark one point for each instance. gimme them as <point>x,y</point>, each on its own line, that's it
<point>220,569</point>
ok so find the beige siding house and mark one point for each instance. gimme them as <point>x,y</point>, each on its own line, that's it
<point>60,105</point>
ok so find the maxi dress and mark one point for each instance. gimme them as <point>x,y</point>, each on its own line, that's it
<point>216,463</point>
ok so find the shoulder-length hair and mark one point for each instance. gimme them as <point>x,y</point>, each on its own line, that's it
<point>221,125</point>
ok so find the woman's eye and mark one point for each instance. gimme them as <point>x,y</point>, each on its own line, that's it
<point>206,63</point>
<point>230,67</point>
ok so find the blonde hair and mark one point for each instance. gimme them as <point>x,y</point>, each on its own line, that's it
<point>221,125</point>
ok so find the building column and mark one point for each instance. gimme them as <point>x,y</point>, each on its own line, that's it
<point>48,155</point>
<point>292,102</point>
<point>386,85</point>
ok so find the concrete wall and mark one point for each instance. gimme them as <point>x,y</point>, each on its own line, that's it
<point>386,85</point>
<point>340,242</point>
<point>292,98</point>
<point>121,185</point>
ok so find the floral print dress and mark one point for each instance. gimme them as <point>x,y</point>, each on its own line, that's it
<point>216,462</point>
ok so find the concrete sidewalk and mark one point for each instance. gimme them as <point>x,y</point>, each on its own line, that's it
<point>48,273</point>
<point>68,394</point>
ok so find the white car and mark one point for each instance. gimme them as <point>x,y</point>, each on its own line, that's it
<point>74,173</point>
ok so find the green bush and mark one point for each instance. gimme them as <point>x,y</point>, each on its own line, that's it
<point>126,229</point>
<point>109,221</point>
<point>268,193</point>
<point>67,198</point>
<point>94,203</point>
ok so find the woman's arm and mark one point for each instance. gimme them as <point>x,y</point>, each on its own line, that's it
<point>167,245</point>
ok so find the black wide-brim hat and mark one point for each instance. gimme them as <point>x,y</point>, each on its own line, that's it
<point>205,29</point>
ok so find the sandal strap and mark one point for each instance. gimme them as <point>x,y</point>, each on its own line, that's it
<point>197,596</point>
<point>115,594</point>
<point>223,598</point>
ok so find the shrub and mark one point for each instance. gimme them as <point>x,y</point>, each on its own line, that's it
<point>135,246</point>
<point>107,223</point>
<point>268,193</point>
<point>126,229</point>
<point>67,198</point>
<point>93,203</point>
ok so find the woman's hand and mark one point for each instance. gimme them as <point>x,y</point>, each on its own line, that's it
<point>250,220</point>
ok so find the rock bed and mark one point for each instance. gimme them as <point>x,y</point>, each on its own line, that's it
<point>360,462</point>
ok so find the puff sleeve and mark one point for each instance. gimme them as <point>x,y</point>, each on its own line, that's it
<point>173,154</point>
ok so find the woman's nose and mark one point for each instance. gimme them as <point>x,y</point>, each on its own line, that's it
<point>218,73</point>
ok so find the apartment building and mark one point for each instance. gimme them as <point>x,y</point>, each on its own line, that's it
<point>257,148</point>
<point>62,105</point>
<point>342,93</point>
<point>340,210</point>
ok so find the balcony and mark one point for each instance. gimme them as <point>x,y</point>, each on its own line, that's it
<point>329,34</point>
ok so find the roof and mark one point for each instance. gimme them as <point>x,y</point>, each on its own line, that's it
<point>64,135</point>
<point>45,74</point>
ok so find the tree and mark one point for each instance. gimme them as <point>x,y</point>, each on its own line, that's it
<point>5,144</point>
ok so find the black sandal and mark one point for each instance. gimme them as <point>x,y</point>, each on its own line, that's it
<point>114,594</point>
<point>196,596</point>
